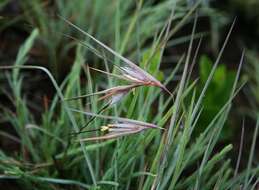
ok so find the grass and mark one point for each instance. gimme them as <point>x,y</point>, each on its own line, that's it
<point>153,159</point>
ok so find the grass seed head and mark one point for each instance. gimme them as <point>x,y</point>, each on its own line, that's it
<point>116,130</point>
<point>131,70</point>
<point>117,93</point>
<point>141,77</point>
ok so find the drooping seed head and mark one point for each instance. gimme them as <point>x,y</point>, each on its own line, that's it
<point>139,76</point>
<point>133,72</point>
<point>116,130</point>
<point>117,93</point>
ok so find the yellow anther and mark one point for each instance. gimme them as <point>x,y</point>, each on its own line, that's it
<point>104,128</point>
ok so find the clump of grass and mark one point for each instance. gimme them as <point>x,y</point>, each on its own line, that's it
<point>173,159</point>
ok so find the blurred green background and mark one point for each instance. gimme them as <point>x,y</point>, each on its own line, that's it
<point>132,28</point>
